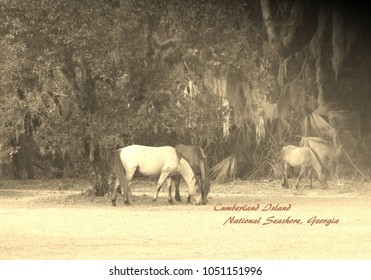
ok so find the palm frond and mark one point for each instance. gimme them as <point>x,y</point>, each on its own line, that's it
<point>332,112</point>
<point>225,170</point>
<point>315,124</point>
<point>321,122</point>
<point>322,149</point>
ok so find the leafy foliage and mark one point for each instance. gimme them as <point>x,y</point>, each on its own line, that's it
<point>96,76</point>
<point>82,78</point>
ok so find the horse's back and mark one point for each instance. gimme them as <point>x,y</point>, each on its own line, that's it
<point>148,150</point>
<point>149,159</point>
<point>297,156</point>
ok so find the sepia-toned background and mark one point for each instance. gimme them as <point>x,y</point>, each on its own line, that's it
<point>240,79</point>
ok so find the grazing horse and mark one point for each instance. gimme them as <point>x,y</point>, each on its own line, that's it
<point>150,161</point>
<point>196,157</point>
<point>303,158</point>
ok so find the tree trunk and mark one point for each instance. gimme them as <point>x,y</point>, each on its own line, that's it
<point>23,156</point>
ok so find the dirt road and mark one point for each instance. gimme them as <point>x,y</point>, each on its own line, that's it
<point>255,220</point>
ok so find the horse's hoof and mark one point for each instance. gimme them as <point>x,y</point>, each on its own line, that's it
<point>178,199</point>
<point>171,202</point>
<point>113,203</point>
<point>127,202</point>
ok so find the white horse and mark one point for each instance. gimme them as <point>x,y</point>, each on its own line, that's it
<point>150,161</point>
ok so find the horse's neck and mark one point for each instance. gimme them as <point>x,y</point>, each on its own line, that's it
<point>185,170</point>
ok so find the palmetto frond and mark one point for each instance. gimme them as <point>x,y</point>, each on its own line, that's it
<point>321,148</point>
<point>225,170</point>
<point>321,122</point>
<point>314,124</point>
<point>332,112</point>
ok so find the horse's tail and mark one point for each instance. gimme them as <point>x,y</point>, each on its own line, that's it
<point>120,173</point>
<point>205,173</point>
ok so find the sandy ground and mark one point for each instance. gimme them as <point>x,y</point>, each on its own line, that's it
<point>54,220</point>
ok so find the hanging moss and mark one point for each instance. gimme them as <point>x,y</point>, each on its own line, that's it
<point>281,78</point>
<point>338,40</point>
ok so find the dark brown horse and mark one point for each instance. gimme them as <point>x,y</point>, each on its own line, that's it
<point>196,158</point>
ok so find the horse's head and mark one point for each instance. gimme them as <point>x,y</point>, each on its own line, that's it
<point>197,199</point>
<point>205,189</point>
<point>202,188</point>
<point>322,178</point>
<point>197,193</point>
<point>204,198</point>
<point>192,180</point>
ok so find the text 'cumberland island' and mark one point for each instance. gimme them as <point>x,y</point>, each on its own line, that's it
<point>255,207</point>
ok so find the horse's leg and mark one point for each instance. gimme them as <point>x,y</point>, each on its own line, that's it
<point>176,180</point>
<point>310,177</point>
<point>129,176</point>
<point>168,185</point>
<point>285,183</point>
<point>161,180</point>
<point>301,175</point>
<point>323,180</point>
<point>116,190</point>
<point>283,176</point>
<point>114,195</point>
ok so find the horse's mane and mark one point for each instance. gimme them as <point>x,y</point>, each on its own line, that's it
<point>180,156</point>
<point>202,152</point>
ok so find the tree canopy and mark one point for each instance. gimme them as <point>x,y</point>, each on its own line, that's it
<point>239,78</point>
